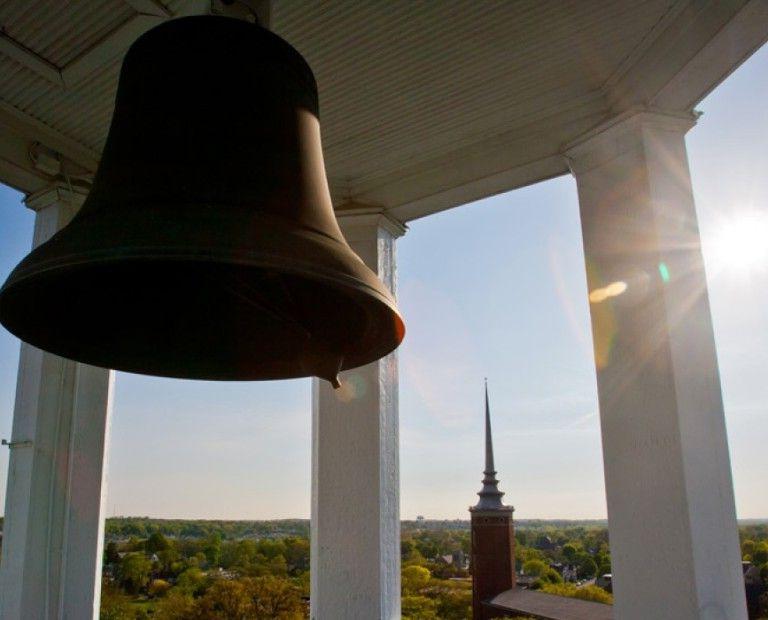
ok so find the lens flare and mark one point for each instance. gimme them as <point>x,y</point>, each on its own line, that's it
<point>741,244</point>
<point>614,289</point>
<point>352,387</point>
<point>664,272</point>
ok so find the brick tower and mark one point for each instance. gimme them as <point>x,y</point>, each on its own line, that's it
<point>493,535</point>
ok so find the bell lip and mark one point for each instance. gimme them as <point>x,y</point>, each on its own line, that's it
<point>336,280</point>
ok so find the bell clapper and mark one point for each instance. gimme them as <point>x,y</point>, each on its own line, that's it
<point>333,376</point>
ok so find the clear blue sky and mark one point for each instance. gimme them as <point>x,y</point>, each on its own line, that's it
<point>497,289</point>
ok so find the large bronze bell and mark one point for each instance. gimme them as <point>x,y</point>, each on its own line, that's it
<point>208,247</point>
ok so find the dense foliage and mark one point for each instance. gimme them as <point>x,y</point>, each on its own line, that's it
<point>123,528</point>
<point>202,570</point>
<point>584,547</point>
<point>586,593</point>
<point>205,578</point>
<point>216,570</point>
<point>754,553</point>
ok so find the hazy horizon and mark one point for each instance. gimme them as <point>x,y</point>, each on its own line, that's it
<point>496,288</point>
<point>758,520</point>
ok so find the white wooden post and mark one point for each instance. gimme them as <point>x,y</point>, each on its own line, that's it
<point>672,521</point>
<point>54,507</point>
<point>355,465</point>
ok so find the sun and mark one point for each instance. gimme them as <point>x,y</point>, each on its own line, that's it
<point>741,244</point>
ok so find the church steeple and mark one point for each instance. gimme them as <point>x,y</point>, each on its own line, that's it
<point>493,536</point>
<point>490,496</point>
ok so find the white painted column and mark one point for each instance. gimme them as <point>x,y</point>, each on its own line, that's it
<point>355,465</point>
<point>672,522</point>
<point>54,507</point>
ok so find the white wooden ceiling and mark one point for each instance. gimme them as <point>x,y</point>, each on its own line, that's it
<point>424,103</point>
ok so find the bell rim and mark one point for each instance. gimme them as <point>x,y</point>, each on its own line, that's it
<point>345,283</point>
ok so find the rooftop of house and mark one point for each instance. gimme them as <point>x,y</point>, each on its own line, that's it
<point>549,606</point>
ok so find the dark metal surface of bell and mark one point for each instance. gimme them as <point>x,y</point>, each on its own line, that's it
<point>208,247</point>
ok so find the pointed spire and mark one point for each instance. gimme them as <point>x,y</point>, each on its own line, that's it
<point>490,496</point>
<point>489,467</point>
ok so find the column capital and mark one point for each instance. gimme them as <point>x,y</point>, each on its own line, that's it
<point>73,195</point>
<point>355,215</point>
<point>622,133</point>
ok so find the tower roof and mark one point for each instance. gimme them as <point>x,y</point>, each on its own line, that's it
<point>490,496</point>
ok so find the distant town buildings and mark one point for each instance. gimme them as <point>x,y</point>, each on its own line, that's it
<point>544,543</point>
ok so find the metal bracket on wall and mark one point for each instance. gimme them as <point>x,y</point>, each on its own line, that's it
<point>17,444</point>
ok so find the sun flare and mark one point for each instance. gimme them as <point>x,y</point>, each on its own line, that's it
<point>741,244</point>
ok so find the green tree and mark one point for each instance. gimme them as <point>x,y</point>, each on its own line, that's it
<point>114,605</point>
<point>414,578</point>
<point>240,554</point>
<point>111,553</point>
<point>262,598</point>
<point>747,547</point>
<point>419,608</point>
<point>535,568</point>
<point>271,548</point>
<point>406,548</point>
<point>158,588</point>
<point>191,582</point>
<point>224,600</point>
<point>455,602</point>
<point>527,553</point>
<point>760,554</point>
<point>134,571</point>
<point>157,542</point>
<point>586,568</point>
<point>169,561</point>
<point>605,567</point>
<point>276,598</point>
<point>297,555</point>
<point>176,606</point>
<point>278,566</point>
<point>303,583</point>
<point>551,576</point>
<point>213,550</point>
<point>569,551</point>
<point>587,593</point>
